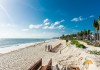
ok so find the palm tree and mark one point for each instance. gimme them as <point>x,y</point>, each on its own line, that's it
<point>96,27</point>
<point>99,27</point>
<point>78,35</point>
<point>85,33</point>
<point>88,32</point>
<point>81,34</point>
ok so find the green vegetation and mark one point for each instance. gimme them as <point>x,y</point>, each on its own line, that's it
<point>88,42</point>
<point>96,25</point>
<point>96,44</point>
<point>78,45</point>
<point>74,42</point>
<point>82,35</point>
<point>86,35</point>
<point>95,52</point>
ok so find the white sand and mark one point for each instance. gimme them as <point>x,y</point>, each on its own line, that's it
<point>73,56</point>
<point>22,59</point>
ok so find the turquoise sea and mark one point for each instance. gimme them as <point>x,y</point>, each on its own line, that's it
<point>16,41</point>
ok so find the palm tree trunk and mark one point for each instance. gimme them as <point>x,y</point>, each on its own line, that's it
<point>97,35</point>
<point>94,35</point>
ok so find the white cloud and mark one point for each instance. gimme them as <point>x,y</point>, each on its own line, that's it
<point>46,23</point>
<point>31,26</point>
<point>62,20</point>
<point>81,19</point>
<point>57,23</point>
<point>61,27</point>
<point>46,20</point>
<point>45,27</point>
<point>91,16</point>
<point>52,27</point>
<point>77,19</point>
<point>49,27</point>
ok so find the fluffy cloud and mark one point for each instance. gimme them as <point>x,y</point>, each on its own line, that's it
<point>81,19</point>
<point>31,26</point>
<point>52,27</point>
<point>46,20</point>
<point>46,25</point>
<point>55,25</point>
<point>77,19</point>
<point>61,27</point>
<point>58,22</point>
<point>49,27</point>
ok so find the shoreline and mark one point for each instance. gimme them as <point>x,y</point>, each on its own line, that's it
<point>12,48</point>
<point>24,58</point>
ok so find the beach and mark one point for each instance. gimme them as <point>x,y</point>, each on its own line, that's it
<point>24,58</point>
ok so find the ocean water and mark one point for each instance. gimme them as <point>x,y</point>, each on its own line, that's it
<point>14,41</point>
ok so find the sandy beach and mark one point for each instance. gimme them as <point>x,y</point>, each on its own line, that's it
<point>23,58</point>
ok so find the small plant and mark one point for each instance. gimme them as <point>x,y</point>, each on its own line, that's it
<point>94,52</point>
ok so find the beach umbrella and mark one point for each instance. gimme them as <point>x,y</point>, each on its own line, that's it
<point>88,62</point>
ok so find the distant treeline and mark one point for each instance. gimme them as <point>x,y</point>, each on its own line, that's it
<point>80,35</point>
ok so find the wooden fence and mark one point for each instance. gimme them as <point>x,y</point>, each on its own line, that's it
<point>55,48</point>
<point>38,66</point>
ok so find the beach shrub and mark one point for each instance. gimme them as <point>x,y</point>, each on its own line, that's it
<point>78,45</point>
<point>74,42</point>
<point>94,52</point>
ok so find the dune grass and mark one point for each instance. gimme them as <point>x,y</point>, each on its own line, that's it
<point>78,45</point>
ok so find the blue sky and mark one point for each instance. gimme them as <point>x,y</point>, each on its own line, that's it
<point>46,18</point>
